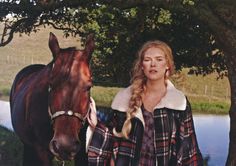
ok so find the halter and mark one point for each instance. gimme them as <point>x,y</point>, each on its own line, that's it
<point>67,112</point>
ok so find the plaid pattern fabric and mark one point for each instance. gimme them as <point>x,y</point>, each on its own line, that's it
<point>175,142</point>
<point>175,138</point>
<point>147,155</point>
<point>100,149</point>
<point>147,159</point>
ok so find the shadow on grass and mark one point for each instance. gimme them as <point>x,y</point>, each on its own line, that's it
<point>11,149</point>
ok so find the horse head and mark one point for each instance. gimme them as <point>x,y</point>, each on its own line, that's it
<point>69,96</point>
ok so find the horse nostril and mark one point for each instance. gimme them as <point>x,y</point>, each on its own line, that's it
<point>65,151</point>
<point>76,146</point>
<point>54,147</point>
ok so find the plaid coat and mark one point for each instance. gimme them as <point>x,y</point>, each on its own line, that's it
<point>175,141</point>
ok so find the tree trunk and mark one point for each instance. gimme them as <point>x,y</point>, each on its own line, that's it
<point>217,18</point>
<point>231,65</point>
<point>231,160</point>
<point>227,41</point>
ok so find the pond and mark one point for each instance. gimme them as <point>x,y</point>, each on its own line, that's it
<point>213,137</point>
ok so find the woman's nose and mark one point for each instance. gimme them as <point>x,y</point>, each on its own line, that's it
<point>153,63</point>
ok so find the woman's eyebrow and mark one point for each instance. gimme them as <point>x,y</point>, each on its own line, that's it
<point>158,56</point>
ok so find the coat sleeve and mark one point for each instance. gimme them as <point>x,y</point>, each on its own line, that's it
<point>101,146</point>
<point>103,141</point>
<point>189,153</point>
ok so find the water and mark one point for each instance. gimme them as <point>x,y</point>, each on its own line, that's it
<point>213,137</point>
<point>5,117</point>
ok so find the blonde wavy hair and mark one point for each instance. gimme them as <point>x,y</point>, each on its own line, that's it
<point>138,81</point>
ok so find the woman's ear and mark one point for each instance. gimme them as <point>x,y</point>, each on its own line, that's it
<point>167,73</point>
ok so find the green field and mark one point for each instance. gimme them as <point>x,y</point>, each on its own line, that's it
<point>206,94</point>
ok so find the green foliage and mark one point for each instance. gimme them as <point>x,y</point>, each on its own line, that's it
<point>164,17</point>
<point>119,33</point>
<point>188,2</point>
<point>122,32</point>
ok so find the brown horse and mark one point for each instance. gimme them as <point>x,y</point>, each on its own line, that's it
<point>50,103</point>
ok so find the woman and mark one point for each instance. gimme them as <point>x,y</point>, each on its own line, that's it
<point>152,122</point>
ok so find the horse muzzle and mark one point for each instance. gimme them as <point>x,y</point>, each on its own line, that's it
<point>64,148</point>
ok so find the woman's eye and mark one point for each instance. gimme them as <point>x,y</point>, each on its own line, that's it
<point>160,59</point>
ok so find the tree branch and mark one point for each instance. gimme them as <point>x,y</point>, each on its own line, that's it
<point>62,28</point>
<point>11,33</point>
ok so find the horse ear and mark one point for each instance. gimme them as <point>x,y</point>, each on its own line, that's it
<point>89,46</point>
<point>53,44</point>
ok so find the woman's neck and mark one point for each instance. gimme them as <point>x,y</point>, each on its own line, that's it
<point>154,92</point>
<point>155,86</point>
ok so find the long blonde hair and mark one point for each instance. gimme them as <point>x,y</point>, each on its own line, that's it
<point>138,81</point>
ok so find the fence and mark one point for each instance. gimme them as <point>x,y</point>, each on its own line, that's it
<point>190,85</point>
<point>21,60</point>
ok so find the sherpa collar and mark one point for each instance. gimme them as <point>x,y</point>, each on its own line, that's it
<point>174,99</point>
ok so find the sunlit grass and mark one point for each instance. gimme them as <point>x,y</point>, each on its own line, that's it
<point>103,96</point>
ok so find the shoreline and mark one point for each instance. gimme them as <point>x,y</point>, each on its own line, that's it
<point>198,107</point>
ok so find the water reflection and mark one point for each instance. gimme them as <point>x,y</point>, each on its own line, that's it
<point>213,137</point>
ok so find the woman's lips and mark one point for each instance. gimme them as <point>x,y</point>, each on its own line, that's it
<point>152,71</point>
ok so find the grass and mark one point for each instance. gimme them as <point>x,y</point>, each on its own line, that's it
<point>11,149</point>
<point>103,95</point>
<point>210,108</point>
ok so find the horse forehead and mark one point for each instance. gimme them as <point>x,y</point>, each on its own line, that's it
<point>80,67</point>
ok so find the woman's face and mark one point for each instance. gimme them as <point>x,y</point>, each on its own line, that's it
<point>154,64</point>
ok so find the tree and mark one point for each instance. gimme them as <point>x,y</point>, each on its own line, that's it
<point>200,29</point>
